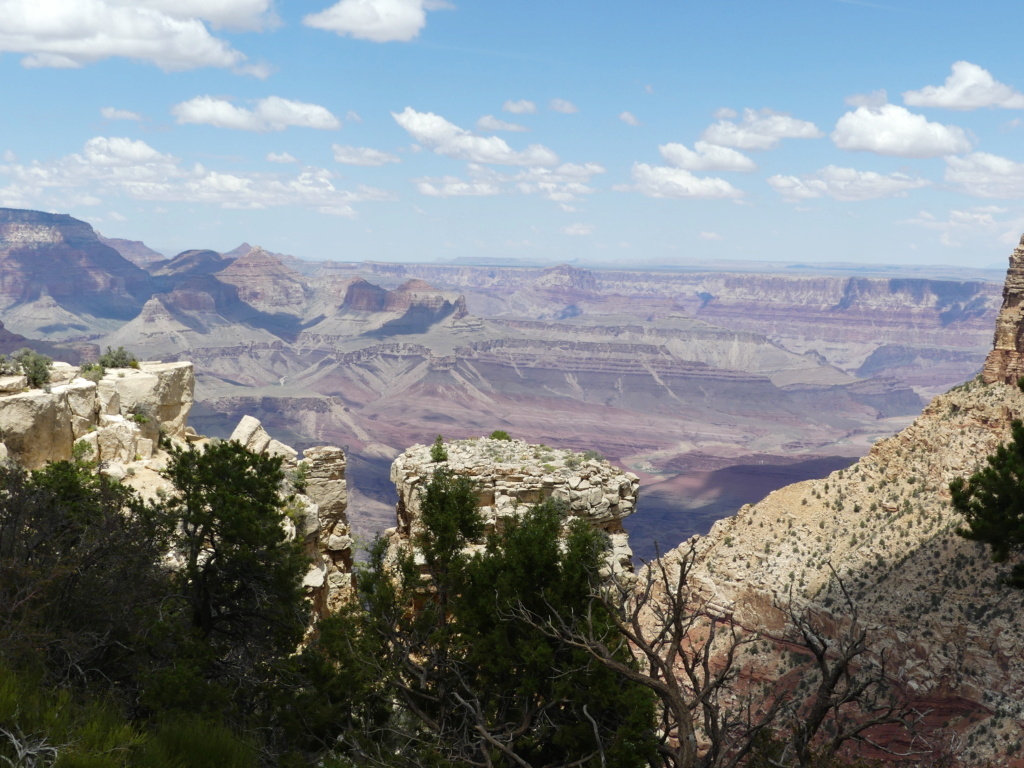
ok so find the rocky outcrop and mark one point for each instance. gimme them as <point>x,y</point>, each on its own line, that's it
<point>510,476</point>
<point>883,534</point>
<point>324,471</point>
<point>120,417</point>
<point>321,493</point>
<point>1006,360</point>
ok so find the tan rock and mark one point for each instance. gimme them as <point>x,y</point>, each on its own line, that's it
<point>251,434</point>
<point>11,384</point>
<point>36,427</point>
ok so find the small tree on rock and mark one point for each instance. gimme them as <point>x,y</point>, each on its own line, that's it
<point>992,503</point>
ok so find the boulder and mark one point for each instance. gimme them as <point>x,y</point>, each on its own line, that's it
<point>251,434</point>
<point>36,427</point>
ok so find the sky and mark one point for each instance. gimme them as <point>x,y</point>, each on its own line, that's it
<point>649,132</point>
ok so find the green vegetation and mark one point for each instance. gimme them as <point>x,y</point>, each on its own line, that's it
<point>118,358</point>
<point>500,434</point>
<point>35,366</point>
<point>506,648</point>
<point>992,503</point>
<point>438,452</point>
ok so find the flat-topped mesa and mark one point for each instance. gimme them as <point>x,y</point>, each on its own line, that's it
<point>511,476</point>
<point>1006,360</point>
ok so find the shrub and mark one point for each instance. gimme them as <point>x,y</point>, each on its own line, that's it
<point>92,372</point>
<point>35,366</point>
<point>500,434</point>
<point>9,367</point>
<point>118,358</point>
<point>438,453</point>
<point>592,455</point>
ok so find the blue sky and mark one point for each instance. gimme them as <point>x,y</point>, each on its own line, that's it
<point>418,130</point>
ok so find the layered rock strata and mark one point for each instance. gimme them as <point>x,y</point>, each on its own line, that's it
<point>512,475</point>
<point>1006,360</point>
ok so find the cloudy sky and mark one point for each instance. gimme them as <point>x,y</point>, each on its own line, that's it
<point>644,132</point>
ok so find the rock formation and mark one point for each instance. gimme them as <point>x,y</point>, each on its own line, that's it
<point>120,416</point>
<point>124,416</point>
<point>511,475</point>
<point>1006,360</point>
<point>319,479</point>
<point>56,256</point>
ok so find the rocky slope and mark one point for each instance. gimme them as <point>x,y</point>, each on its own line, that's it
<point>884,529</point>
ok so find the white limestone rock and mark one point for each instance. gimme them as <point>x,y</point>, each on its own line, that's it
<point>251,434</point>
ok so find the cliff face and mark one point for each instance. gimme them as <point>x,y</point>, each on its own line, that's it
<point>512,475</point>
<point>43,254</point>
<point>1006,360</point>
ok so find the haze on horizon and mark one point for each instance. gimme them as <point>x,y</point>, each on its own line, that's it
<point>593,133</point>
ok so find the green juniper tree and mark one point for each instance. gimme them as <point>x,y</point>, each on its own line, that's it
<point>992,503</point>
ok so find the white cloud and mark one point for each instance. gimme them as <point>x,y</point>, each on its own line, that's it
<point>960,225</point>
<point>759,129</point>
<point>968,87</point>
<point>10,157</point>
<point>109,113</point>
<point>270,114</point>
<point>894,130</point>
<point>380,21</point>
<point>451,186</point>
<point>725,113</point>
<point>706,157</point>
<point>661,181</point>
<point>578,230</point>
<point>984,175</point>
<point>448,139</point>
<point>283,157</point>
<point>353,117</point>
<point>362,156</point>
<point>845,184</point>
<point>234,14</point>
<point>73,33</point>
<point>491,123</point>
<point>629,118</point>
<point>709,236</point>
<point>563,184</point>
<point>131,168</point>
<point>521,107</point>
<point>115,216</point>
<point>877,98</point>
<point>563,106</point>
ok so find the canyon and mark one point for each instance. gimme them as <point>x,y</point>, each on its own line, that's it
<point>713,387</point>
